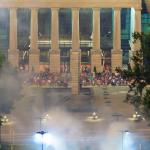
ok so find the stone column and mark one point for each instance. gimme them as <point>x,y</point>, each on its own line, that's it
<point>75,52</point>
<point>96,51</point>
<point>137,20</point>
<point>55,52</point>
<point>34,51</point>
<point>136,27</point>
<point>75,29</point>
<point>13,52</point>
<point>116,58</point>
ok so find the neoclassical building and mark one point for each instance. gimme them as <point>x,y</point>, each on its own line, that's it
<point>75,51</point>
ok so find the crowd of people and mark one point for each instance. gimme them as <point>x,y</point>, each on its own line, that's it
<point>106,77</point>
<point>45,78</point>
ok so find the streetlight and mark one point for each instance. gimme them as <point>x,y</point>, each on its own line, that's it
<point>124,132</point>
<point>94,117</point>
<point>3,120</point>
<point>42,134</point>
<point>136,117</point>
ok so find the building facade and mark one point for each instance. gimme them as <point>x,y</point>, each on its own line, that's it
<point>54,53</point>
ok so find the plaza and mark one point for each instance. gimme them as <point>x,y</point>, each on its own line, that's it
<point>69,120</point>
<point>62,78</point>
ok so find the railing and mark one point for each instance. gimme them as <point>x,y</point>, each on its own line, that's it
<point>65,43</point>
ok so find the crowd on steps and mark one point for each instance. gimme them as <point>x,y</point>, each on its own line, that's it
<point>49,79</point>
<point>106,77</point>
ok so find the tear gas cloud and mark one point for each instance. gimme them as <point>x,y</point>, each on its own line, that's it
<point>28,106</point>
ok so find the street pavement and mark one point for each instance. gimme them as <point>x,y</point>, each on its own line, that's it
<point>114,117</point>
<point>72,117</point>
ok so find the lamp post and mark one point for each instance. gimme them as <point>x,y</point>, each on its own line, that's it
<point>42,134</point>
<point>94,116</point>
<point>3,120</point>
<point>123,132</point>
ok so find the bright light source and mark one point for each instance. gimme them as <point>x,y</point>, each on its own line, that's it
<point>128,140</point>
<point>38,138</point>
<point>126,132</point>
<point>46,139</point>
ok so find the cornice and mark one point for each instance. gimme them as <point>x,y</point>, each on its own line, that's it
<point>71,3</point>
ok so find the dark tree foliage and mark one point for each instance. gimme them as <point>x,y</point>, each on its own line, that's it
<point>146,105</point>
<point>141,59</point>
<point>2,59</point>
<point>95,70</point>
<point>146,57</point>
<point>127,74</point>
<point>139,75</point>
<point>146,100</point>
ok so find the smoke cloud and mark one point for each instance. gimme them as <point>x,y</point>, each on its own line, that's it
<point>61,114</point>
<point>10,86</point>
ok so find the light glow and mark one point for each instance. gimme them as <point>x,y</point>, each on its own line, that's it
<point>46,139</point>
<point>128,141</point>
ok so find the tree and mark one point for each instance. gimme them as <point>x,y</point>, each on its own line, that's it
<point>140,75</point>
<point>95,70</point>
<point>146,105</point>
<point>146,56</point>
<point>2,59</point>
